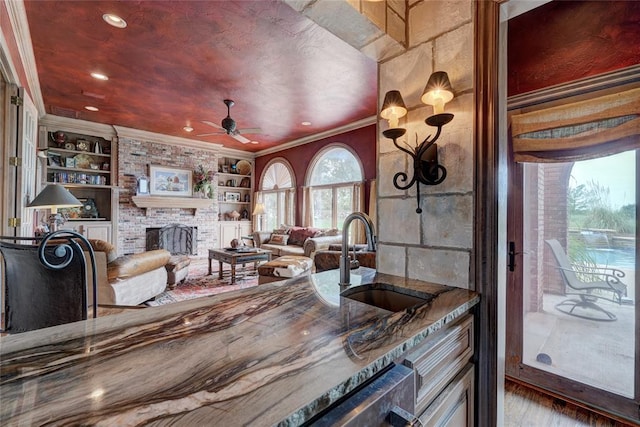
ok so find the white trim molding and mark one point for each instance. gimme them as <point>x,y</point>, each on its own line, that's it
<point>7,67</point>
<point>159,138</point>
<point>20,25</point>
<point>77,126</point>
<point>312,138</point>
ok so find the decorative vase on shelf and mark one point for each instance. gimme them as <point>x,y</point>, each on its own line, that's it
<point>205,191</point>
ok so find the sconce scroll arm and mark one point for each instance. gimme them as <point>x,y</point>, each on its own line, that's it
<point>395,142</point>
<point>402,176</point>
<point>438,171</point>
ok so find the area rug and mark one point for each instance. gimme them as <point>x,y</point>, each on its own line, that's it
<point>199,284</point>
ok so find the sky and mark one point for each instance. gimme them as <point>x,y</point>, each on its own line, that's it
<point>616,172</point>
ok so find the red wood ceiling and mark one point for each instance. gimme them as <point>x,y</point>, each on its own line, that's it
<point>176,61</point>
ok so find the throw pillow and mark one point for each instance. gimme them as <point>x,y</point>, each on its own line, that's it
<point>299,236</point>
<point>327,232</point>
<point>279,239</point>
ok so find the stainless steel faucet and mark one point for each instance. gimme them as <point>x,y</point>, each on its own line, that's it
<point>345,261</point>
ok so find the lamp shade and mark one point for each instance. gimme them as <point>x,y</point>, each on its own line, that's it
<point>438,91</point>
<point>258,209</point>
<point>54,196</point>
<point>393,107</point>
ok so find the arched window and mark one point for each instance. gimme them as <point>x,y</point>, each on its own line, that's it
<point>277,193</point>
<point>335,187</point>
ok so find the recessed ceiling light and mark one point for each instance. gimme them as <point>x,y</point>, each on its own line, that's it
<point>99,76</point>
<point>306,123</point>
<point>114,20</point>
<point>91,108</point>
<point>187,129</point>
<point>254,142</point>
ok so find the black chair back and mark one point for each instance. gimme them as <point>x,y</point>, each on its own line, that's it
<point>45,280</point>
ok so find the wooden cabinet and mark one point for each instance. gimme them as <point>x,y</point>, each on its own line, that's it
<point>91,229</point>
<point>444,376</point>
<point>230,230</point>
<point>82,157</point>
<point>235,193</point>
<point>454,405</point>
<point>74,158</point>
<point>235,187</point>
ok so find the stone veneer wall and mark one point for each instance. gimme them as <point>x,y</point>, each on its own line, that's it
<point>134,156</point>
<point>437,244</point>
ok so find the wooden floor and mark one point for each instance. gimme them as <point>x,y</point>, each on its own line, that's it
<point>528,408</point>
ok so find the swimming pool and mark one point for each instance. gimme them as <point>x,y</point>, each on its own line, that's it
<point>620,258</point>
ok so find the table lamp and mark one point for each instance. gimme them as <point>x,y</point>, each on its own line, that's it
<point>258,211</point>
<point>54,196</point>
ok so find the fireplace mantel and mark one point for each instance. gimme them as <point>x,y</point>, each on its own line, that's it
<point>158,202</point>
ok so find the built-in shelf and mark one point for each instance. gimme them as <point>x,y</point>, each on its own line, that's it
<point>156,202</point>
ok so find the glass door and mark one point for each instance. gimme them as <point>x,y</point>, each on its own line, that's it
<point>572,283</point>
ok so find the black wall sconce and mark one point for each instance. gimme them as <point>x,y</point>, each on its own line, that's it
<point>426,169</point>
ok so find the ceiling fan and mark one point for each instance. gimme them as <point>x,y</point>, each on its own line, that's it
<point>229,127</point>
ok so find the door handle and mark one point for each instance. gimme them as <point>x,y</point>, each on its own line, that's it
<point>512,256</point>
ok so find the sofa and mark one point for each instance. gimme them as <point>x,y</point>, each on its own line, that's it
<point>129,279</point>
<point>301,241</point>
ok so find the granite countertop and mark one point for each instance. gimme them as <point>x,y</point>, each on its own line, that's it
<point>274,354</point>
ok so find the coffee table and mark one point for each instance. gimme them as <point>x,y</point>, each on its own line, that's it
<point>236,257</point>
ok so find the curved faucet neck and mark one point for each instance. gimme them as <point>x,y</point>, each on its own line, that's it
<point>345,265</point>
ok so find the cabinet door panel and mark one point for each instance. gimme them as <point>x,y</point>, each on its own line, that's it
<point>228,232</point>
<point>101,231</point>
<point>438,361</point>
<point>455,405</point>
<point>245,228</point>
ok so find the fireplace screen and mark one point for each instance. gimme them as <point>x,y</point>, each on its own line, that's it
<point>176,238</point>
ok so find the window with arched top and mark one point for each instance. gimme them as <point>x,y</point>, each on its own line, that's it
<point>277,193</point>
<point>335,187</point>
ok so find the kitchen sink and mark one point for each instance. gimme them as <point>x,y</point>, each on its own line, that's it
<point>387,297</point>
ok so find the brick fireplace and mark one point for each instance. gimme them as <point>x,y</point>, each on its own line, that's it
<point>134,158</point>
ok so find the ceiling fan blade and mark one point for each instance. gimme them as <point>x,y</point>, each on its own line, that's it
<point>249,130</point>
<point>240,138</point>
<point>210,134</point>
<point>215,125</point>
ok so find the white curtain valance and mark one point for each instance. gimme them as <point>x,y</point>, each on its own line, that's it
<point>599,126</point>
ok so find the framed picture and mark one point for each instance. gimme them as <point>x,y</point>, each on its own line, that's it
<point>142,186</point>
<point>164,181</point>
<point>230,196</point>
<point>54,159</point>
<point>69,162</point>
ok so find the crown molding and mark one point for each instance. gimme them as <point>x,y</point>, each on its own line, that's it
<point>326,134</point>
<point>20,25</point>
<point>77,126</point>
<point>159,138</point>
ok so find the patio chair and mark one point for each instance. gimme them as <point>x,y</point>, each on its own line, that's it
<point>602,283</point>
<point>45,280</point>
